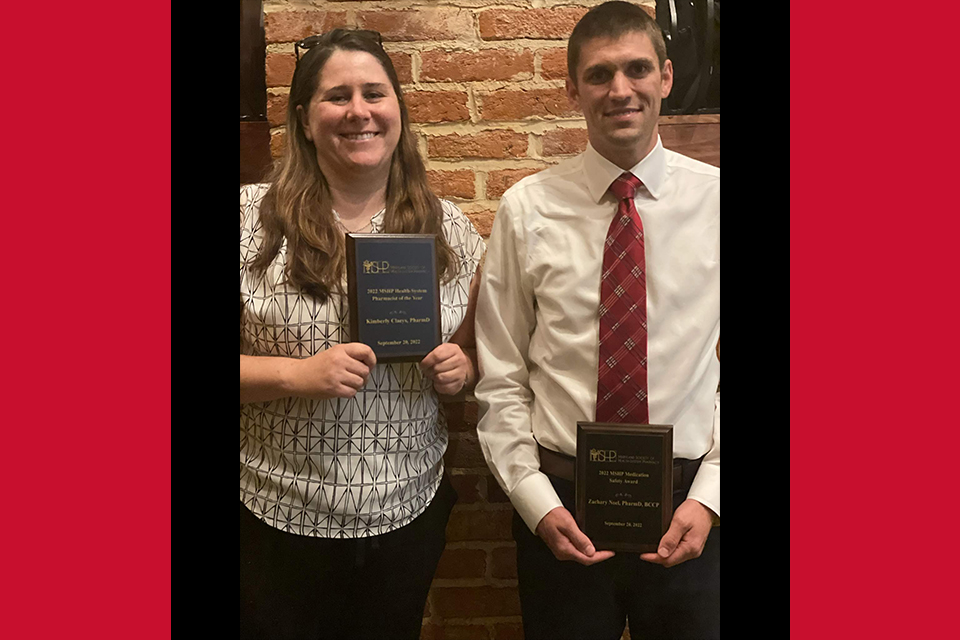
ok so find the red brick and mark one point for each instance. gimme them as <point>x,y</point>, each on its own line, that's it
<point>468,487</point>
<point>483,223</point>
<point>504,562</point>
<point>564,142</point>
<point>475,602</point>
<point>418,24</point>
<point>489,64</point>
<point>278,142</point>
<point>508,631</point>
<point>479,525</point>
<point>462,563</point>
<point>502,179</point>
<point>432,632</point>
<point>454,411</point>
<point>403,64</point>
<point>553,64</point>
<point>290,26</point>
<point>487,144</point>
<point>470,413</point>
<point>495,494</point>
<point>542,24</point>
<point>507,104</point>
<point>280,68</point>
<point>466,632</point>
<point>437,106</point>
<point>464,452</point>
<point>456,184</point>
<point>277,108</point>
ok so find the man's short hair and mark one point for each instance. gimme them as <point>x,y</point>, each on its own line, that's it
<point>612,20</point>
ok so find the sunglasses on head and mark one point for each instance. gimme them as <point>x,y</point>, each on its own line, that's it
<point>335,36</point>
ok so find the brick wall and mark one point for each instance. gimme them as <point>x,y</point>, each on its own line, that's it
<point>484,82</point>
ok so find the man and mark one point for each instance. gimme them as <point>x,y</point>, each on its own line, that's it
<point>614,252</point>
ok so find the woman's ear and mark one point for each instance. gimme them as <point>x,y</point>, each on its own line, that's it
<point>304,122</point>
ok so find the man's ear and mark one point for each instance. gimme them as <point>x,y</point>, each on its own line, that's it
<point>572,94</point>
<point>304,122</point>
<point>666,79</point>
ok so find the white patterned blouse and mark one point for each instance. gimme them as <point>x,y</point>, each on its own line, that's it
<point>345,467</point>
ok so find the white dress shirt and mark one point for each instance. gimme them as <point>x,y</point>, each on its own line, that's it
<point>538,326</point>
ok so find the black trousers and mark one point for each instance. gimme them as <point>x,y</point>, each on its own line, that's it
<point>299,587</point>
<point>566,600</point>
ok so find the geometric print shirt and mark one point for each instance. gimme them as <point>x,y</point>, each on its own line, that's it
<point>343,467</point>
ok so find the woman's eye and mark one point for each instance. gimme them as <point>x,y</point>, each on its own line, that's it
<point>337,99</point>
<point>373,95</point>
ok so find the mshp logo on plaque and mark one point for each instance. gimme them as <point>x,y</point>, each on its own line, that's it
<point>603,455</point>
<point>371,266</point>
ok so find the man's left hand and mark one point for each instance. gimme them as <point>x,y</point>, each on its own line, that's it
<point>448,367</point>
<point>686,536</point>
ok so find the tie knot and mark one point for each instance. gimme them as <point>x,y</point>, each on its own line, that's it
<point>625,187</point>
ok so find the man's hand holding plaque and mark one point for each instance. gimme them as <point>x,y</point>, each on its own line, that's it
<point>560,532</point>
<point>624,485</point>
<point>686,536</point>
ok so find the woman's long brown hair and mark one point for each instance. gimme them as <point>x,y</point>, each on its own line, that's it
<point>298,205</point>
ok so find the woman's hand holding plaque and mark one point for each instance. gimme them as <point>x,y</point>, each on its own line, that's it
<point>448,367</point>
<point>338,372</point>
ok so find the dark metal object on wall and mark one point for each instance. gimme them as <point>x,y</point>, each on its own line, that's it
<point>254,129</point>
<point>691,29</point>
<point>253,80</point>
<point>255,159</point>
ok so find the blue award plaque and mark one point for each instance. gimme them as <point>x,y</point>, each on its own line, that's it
<point>394,294</point>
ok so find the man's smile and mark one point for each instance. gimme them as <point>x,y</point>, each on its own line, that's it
<point>622,113</point>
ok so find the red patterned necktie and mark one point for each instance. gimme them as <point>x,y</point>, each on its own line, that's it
<point>622,375</point>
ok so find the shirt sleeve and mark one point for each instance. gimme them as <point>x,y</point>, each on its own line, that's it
<point>468,249</point>
<point>506,319</point>
<point>244,216</point>
<point>706,486</point>
<point>250,197</point>
<point>464,239</point>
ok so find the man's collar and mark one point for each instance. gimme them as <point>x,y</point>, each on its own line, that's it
<point>600,172</point>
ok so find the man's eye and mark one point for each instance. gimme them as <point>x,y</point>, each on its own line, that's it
<point>598,77</point>
<point>639,70</point>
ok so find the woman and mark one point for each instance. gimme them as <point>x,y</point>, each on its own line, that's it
<point>344,501</point>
